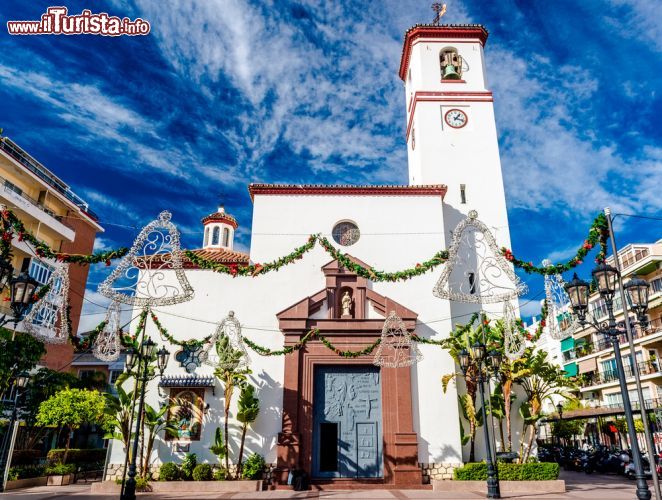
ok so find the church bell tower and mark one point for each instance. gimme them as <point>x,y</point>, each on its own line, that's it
<point>451,131</point>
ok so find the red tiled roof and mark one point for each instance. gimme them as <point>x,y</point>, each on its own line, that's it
<point>446,31</point>
<point>220,217</point>
<point>220,255</point>
<point>347,189</point>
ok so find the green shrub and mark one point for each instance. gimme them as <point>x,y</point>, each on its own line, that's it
<point>142,484</point>
<point>169,471</point>
<point>220,474</point>
<point>25,457</point>
<point>202,472</point>
<point>60,469</point>
<point>509,472</point>
<point>25,472</point>
<point>76,455</point>
<point>254,467</point>
<point>188,464</point>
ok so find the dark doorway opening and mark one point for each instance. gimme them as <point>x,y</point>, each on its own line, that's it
<point>328,449</point>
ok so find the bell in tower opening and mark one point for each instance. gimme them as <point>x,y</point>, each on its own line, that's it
<point>451,64</point>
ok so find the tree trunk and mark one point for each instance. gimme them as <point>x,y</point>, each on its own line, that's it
<point>507,390</point>
<point>66,447</point>
<point>228,397</point>
<point>533,435</point>
<point>241,449</point>
<point>501,436</point>
<point>472,448</point>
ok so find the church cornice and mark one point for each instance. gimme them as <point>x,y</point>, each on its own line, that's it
<point>347,190</point>
<point>453,31</point>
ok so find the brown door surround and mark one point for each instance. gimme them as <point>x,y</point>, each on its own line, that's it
<point>295,443</point>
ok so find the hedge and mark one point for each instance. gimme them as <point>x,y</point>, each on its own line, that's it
<point>26,472</point>
<point>545,471</point>
<point>25,457</point>
<point>77,456</point>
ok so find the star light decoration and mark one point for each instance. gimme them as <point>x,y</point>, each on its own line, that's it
<point>226,348</point>
<point>514,342</point>
<point>560,323</point>
<point>47,320</point>
<point>475,271</point>
<point>155,250</point>
<point>396,348</point>
<point>107,345</point>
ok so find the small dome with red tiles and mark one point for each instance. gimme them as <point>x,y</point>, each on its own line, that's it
<point>219,230</point>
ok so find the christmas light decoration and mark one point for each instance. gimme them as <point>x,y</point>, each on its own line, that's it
<point>396,348</point>
<point>107,344</point>
<point>155,250</point>
<point>48,319</point>
<point>476,272</point>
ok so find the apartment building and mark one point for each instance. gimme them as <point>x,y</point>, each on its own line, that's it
<point>589,355</point>
<point>55,214</point>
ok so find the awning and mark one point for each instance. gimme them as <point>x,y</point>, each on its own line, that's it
<point>588,365</point>
<point>186,381</point>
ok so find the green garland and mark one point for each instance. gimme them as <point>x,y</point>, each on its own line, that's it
<point>129,340</point>
<point>252,269</point>
<point>12,225</point>
<point>191,344</point>
<point>375,275</point>
<point>597,235</point>
<point>265,351</point>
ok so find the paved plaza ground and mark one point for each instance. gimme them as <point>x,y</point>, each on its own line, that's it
<point>579,485</point>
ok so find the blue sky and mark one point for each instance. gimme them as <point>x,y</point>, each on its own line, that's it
<point>223,93</point>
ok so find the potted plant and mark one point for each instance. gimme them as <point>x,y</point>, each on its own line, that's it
<point>60,474</point>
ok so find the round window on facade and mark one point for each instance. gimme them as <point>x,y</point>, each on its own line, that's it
<point>346,233</point>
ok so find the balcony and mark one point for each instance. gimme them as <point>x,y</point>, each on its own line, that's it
<point>15,196</point>
<point>592,379</point>
<point>15,152</point>
<point>602,344</point>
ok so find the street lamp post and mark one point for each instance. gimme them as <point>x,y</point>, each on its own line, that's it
<point>140,360</point>
<point>559,408</point>
<point>483,360</point>
<point>578,290</point>
<point>8,439</point>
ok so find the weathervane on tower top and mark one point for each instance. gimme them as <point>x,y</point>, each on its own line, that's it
<point>440,10</point>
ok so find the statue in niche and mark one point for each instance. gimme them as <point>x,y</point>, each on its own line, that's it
<point>346,305</point>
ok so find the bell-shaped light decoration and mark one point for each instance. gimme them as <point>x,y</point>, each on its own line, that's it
<point>396,348</point>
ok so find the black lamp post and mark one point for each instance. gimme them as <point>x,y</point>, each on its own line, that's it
<point>483,362</point>
<point>137,363</point>
<point>559,409</point>
<point>21,289</point>
<point>606,278</point>
<point>20,383</point>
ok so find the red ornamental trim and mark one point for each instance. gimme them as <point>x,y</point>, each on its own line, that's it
<point>285,189</point>
<point>438,32</point>
<point>445,97</point>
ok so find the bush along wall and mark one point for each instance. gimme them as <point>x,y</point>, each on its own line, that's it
<point>509,472</point>
<point>77,456</point>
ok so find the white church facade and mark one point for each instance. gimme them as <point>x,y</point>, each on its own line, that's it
<point>337,417</point>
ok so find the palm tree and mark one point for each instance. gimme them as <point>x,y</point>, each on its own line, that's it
<point>462,338</point>
<point>249,408</point>
<point>231,375</point>
<point>154,421</point>
<point>540,380</point>
<point>119,409</point>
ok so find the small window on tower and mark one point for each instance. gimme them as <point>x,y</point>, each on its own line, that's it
<point>463,193</point>
<point>206,236</point>
<point>215,236</point>
<point>450,63</point>
<point>226,237</point>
